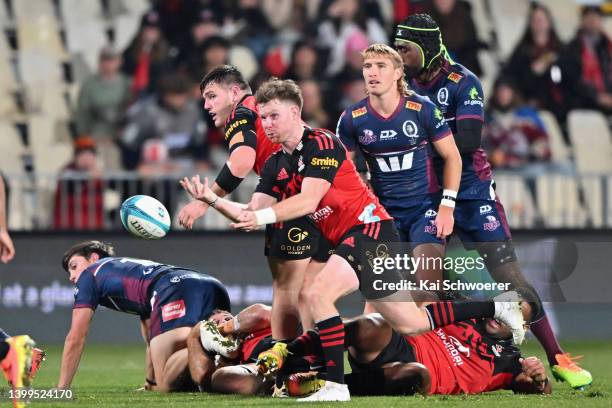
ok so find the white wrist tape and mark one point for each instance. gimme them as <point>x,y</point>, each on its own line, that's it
<point>450,193</point>
<point>447,203</point>
<point>265,216</point>
<point>236,323</point>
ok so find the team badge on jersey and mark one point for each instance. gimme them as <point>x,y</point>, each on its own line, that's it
<point>492,223</point>
<point>443,96</point>
<point>455,77</point>
<point>415,106</point>
<point>359,112</point>
<point>410,130</point>
<point>367,137</point>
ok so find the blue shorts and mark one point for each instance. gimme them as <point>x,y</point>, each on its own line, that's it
<point>415,224</point>
<point>182,298</point>
<point>481,221</point>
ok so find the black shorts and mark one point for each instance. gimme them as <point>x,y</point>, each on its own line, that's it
<point>398,350</point>
<point>364,242</point>
<point>296,239</point>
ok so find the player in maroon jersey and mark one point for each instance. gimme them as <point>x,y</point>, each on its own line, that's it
<point>289,246</point>
<point>311,175</point>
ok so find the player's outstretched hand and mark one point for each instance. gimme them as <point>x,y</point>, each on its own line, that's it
<point>197,189</point>
<point>247,221</point>
<point>534,369</point>
<point>444,222</point>
<point>191,212</point>
<point>7,250</point>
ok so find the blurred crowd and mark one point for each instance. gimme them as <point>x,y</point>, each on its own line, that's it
<point>143,111</point>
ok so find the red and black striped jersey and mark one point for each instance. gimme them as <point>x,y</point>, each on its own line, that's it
<point>244,128</point>
<point>463,359</point>
<point>320,154</point>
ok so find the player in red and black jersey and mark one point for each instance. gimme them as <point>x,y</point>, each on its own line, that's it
<point>469,357</point>
<point>237,375</point>
<point>312,175</point>
<point>289,246</point>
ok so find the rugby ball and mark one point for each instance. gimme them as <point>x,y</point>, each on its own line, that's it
<point>145,217</point>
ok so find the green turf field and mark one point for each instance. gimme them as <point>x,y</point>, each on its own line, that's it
<point>108,376</point>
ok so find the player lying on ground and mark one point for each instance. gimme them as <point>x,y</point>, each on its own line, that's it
<point>480,219</point>
<point>469,357</point>
<point>323,183</point>
<point>288,246</point>
<point>397,130</point>
<point>169,300</point>
<point>231,371</point>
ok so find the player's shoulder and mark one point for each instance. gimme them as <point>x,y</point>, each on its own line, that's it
<point>357,109</point>
<point>317,139</point>
<point>461,77</point>
<point>416,102</point>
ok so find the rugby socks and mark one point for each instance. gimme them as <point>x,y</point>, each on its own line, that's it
<point>445,313</point>
<point>545,335</point>
<point>331,332</point>
<point>307,344</point>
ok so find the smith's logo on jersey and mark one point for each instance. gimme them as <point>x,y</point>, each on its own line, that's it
<point>324,162</point>
<point>455,77</point>
<point>359,112</point>
<point>233,127</point>
<point>413,106</point>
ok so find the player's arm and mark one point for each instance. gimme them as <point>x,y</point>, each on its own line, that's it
<point>241,137</point>
<point>253,318</point>
<point>149,371</point>
<point>440,135</point>
<point>201,364</point>
<point>74,345</point>
<point>532,379</point>
<point>7,250</point>
<point>346,133</point>
<point>469,116</point>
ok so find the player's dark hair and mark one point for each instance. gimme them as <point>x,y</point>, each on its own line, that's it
<point>225,75</point>
<point>85,249</point>
<point>281,89</point>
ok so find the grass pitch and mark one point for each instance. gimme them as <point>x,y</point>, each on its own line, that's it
<point>108,376</point>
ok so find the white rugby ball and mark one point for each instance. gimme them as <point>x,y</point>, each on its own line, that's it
<point>145,217</point>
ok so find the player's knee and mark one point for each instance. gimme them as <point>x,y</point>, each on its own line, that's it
<point>231,380</point>
<point>496,254</point>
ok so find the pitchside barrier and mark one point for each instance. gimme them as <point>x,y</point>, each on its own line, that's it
<point>570,269</point>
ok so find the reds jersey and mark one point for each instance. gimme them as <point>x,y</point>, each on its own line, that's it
<point>118,283</point>
<point>321,155</point>
<point>462,358</point>
<point>243,128</point>
<point>397,149</point>
<point>458,94</point>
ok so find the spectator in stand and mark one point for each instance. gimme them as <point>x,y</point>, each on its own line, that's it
<point>313,111</point>
<point>206,24</point>
<point>534,65</point>
<point>514,135</point>
<point>341,21</point>
<point>589,63</point>
<point>249,26</point>
<point>214,51</point>
<point>306,62</point>
<point>79,198</point>
<point>175,17</point>
<point>146,58</point>
<point>102,102</point>
<point>454,17</point>
<point>166,134</point>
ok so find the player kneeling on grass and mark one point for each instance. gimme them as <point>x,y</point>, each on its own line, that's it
<point>318,180</point>
<point>168,299</point>
<point>469,357</point>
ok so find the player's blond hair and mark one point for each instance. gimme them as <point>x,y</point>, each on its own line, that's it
<point>383,50</point>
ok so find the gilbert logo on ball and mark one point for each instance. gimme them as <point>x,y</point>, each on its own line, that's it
<point>145,217</point>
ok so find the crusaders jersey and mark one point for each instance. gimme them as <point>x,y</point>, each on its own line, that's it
<point>250,342</point>
<point>463,359</point>
<point>397,149</point>
<point>458,94</point>
<point>120,284</point>
<point>321,155</point>
<point>243,128</point>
